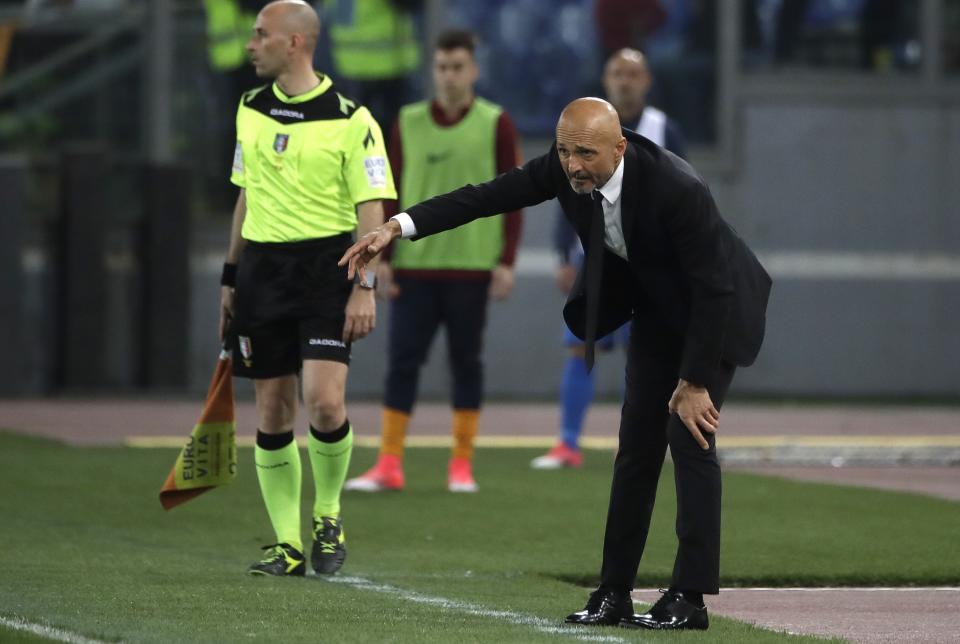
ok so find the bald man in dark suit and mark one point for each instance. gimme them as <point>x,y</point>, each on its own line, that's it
<point>658,254</point>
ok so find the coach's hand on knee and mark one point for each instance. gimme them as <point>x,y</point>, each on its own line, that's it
<point>693,405</point>
<point>361,314</point>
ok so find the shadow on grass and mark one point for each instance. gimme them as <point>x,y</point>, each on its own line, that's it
<point>776,581</point>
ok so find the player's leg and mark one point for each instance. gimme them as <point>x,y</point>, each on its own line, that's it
<point>414,319</point>
<point>279,474</point>
<point>266,350</point>
<point>576,394</point>
<point>465,317</point>
<point>330,446</point>
<point>651,375</point>
<point>268,357</point>
<point>697,478</point>
<point>317,298</point>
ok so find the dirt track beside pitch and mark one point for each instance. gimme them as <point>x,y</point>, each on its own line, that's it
<point>105,421</point>
<point>927,615</point>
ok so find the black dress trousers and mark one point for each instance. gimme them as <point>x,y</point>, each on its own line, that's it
<point>646,428</point>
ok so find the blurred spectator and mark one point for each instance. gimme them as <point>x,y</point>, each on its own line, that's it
<point>375,51</point>
<point>546,37</point>
<point>790,19</point>
<point>870,34</point>
<point>8,26</point>
<point>229,26</point>
<point>951,36</point>
<point>626,23</point>
<point>884,31</point>
<point>35,8</point>
<point>683,57</point>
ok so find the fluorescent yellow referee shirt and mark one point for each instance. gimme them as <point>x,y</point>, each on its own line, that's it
<point>306,162</point>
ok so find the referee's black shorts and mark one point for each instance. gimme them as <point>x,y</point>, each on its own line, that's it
<point>290,306</point>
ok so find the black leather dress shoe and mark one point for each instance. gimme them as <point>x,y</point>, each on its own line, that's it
<point>672,611</point>
<point>604,608</point>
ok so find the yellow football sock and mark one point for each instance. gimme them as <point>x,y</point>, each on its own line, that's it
<point>465,425</point>
<point>278,471</point>
<point>393,431</point>
<point>329,460</point>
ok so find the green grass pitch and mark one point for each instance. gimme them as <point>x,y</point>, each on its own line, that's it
<point>87,549</point>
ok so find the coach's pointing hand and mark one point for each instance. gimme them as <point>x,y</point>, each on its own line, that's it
<point>367,247</point>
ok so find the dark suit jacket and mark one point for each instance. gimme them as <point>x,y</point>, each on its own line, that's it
<point>686,266</point>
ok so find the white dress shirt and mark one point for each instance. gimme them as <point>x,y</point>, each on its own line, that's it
<point>407,229</point>
<point>611,193</point>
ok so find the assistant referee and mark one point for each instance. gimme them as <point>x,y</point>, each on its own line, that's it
<point>312,169</point>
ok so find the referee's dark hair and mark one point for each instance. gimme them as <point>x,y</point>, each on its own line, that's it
<point>457,39</point>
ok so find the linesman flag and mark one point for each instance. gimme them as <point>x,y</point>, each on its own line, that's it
<point>209,459</point>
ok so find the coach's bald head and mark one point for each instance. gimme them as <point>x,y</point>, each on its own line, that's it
<point>285,33</point>
<point>589,143</point>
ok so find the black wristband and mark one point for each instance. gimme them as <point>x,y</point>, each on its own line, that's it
<point>229,275</point>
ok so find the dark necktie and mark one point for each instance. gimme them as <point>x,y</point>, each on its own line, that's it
<point>594,269</point>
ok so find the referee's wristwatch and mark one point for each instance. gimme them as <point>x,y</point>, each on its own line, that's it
<point>370,283</point>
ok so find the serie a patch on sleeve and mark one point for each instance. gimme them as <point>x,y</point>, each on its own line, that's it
<point>238,159</point>
<point>376,168</point>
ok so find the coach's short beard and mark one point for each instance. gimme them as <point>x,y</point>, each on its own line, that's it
<point>582,190</point>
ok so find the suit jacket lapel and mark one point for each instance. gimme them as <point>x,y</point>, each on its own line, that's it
<point>630,194</point>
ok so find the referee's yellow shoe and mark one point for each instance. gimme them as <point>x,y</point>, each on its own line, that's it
<point>280,560</point>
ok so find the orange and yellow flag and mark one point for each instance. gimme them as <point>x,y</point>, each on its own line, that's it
<point>209,459</point>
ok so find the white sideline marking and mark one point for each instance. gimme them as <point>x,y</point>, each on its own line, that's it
<point>518,619</point>
<point>49,632</point>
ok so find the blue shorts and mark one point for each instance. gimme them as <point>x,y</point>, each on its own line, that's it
<point>621,336</point>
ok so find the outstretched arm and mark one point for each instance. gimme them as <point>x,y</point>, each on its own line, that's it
<point>535,182</point>
<point>368,247</point>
